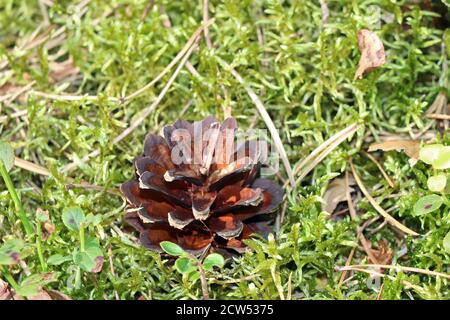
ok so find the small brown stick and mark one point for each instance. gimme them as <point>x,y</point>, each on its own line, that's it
<point>325,11</point>
<point>147,110</point>
<point>187,47</point>
<point>232,281</point>
<point>321,148</point>
<point>70,97</point>
<point>277,284</point>
<point>30,166</point>
<point>266,117</point>
<point>85,185</point>
<point>19,92</point>
<point>438,116</point>
<point>205,20</point>
<point>380,293</point>
<point>289,293</point>
<point>111,267</point>
<point>380,167</point>
<point>147,9</point>
<point>377,207</point>
<point>396,268</point>
<point>44,12</point>
<point>310,163</point>
<point>204,283</point>
<point>347,263</point>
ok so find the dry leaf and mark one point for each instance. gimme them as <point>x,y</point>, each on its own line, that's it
<point>383,253</point>
<point>41,295</point>
<point>410,147</point>
<point>98,264</point>
<point>336,193</point>
<point>5,292</point>
<point>56,295</point>
<point>47,226</point>
<point>372,52</point>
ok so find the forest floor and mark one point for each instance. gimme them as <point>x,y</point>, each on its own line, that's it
<point>73,78</point>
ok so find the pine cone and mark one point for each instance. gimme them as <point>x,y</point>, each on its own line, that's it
<point>211,200</point>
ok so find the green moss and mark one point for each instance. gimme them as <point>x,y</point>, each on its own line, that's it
<point>303,72</point>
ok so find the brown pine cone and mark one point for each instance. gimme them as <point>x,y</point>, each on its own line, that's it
<point>210,199</point>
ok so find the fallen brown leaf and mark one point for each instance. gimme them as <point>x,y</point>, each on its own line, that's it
<point>372,52</point>
<point>5,292</point>
<point>41,295</point>
<point>410,147</point>
<point>98,264</point>
<point>56,295</point>
<point>335,193</point>
<point>47,226</point>
<point>383,253</point>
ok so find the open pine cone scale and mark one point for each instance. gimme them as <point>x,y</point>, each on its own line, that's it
<point>211,200</point>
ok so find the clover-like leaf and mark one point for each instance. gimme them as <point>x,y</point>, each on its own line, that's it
<point>73,217</point>
<point>184,265</point>
<point>91,259</point>
<point>443,160</point>
<point>6,155</point>
<point>31,285</point>
<point>172,248</point>
<point>58,259</point>
<point>427,204</point>
<point>429,153</point>
<point>10,251</point>
<point>437,183</point>
<point>213,260</point>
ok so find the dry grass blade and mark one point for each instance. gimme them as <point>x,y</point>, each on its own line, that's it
<point>205,20</point>
<point>289,293</point>
<point>310,162</point>
<point>380,167</point>
<point>347,263</point>
<point>175,60</point>
<point>146,111</point>
<point>377,207</point>
<point>277,282</point>
<point>30,166</point>
<point>438,116</point>
<point>325,11</point>
<point>265,115</point>
<point>70,97</point>
<point>397,268</point>
<point>324,145</point>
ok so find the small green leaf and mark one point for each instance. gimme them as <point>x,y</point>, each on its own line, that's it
<point>184,265</point>
<point>10,251</point>
<point>6,155</point>
<point>194,276</point>
<point>57,259</point>
<point>30,286</point>
<point>73,218</point>
<point>443,160</point>
<point>171,248</point>
<point>213,260</point>
<point>91,259</point>
<point>430,153</point>
<point>437,183</point>
<point>446,243</point>
<point>427,204</point>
